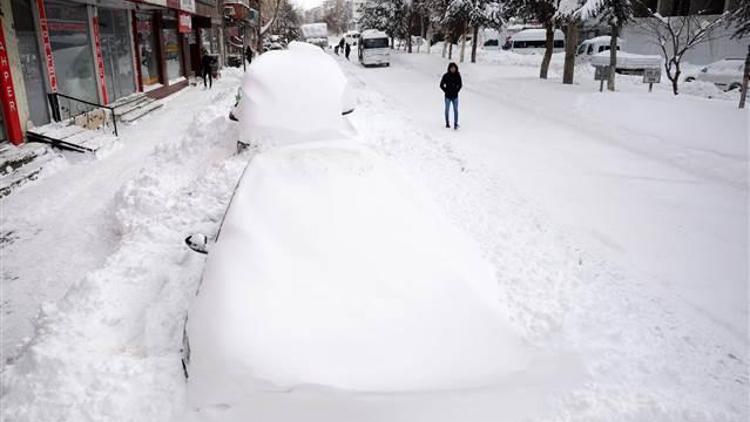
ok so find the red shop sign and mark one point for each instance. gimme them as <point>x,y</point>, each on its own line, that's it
<point>8,95</point>
<point>185,23</point>
<point>100,59</point>
<point>48,58</point>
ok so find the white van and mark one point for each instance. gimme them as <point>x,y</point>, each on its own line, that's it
<point>534,41</point>
<point>596,45</point>
<point>352,38</point>
<point>374,48</point>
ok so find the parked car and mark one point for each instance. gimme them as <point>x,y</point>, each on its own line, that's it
<point>352,38</point>
<point>597,45</point>
<point>534,41</point>
<point>348,101</point>
<point>725,74</point>
<point>331,268</point>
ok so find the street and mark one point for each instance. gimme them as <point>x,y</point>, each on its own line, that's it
<point>616,224</point>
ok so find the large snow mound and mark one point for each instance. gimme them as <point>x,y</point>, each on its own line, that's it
<point>332,268</point>
<point>292,95</point>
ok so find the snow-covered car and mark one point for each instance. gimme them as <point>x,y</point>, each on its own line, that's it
<point>348,103</point>
<point>331,267</point>
<point>597,45</point>
<point>534,41</point>
<point>725,74</point>
<point>627,63</point>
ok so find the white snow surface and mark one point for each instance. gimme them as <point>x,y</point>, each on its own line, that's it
<point>315,111</point>
<point>328,249</point>
<point>616,225</point>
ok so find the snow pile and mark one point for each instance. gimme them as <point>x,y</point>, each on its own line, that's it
<point>283,104</point>
<point>330,253</point>
<point>109,350</point>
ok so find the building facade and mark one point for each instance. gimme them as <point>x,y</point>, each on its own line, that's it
<point>98,51</point>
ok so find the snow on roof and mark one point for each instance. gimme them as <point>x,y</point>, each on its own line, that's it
<point>535,35</point>
<point>603,39</point>
<point>282,104</point>
<point>373,33</point>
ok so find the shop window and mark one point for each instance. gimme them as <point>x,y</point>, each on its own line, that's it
<point>71,49</point>
<point>31,62</point>
<point>172,47</point>
<point>147,48</point>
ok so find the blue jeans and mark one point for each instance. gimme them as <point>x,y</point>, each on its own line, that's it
<point>448,102</point>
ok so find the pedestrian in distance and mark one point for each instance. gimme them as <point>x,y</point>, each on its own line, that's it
<point>206,69</point>
<point>342,41</point>
<point>249,54</point>
<point>348,50</point>
<point>451,85</point>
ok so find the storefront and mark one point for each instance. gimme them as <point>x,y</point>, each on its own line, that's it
<point>147,48</point>
<point>31,62</point>
<point>115,33</point>
<point>72,52</point>
<point>99,52</point>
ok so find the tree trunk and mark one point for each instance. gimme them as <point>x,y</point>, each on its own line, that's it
<point>675,79</point>
<point>613,56</point>
<point>571,42</point>
<point>445,44</point>
<point>408,42</point>
<point>463,46</point>
<point>450,50</point>
<point>474,44</point>
<point>745,79</point>
<point>392,44</point>
<point>429,38</point>
<point>549,47</point>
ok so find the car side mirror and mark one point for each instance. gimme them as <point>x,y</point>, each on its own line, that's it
<point>197,242</point>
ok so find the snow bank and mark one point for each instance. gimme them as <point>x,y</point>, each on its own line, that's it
<point>109,350</point>
<point>291,96</point>
<point>332,268</point>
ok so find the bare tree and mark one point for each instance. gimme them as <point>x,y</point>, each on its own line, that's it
<point>676,35</point>
<point>740,17</point>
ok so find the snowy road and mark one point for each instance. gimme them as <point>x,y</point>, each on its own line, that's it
<point>616,223</point>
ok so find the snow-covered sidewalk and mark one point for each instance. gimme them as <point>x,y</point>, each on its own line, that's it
<point>58,229</point>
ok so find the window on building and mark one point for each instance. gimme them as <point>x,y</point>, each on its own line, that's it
<point>172,47</point>
<point>71,49</point>
<point>147,49</point>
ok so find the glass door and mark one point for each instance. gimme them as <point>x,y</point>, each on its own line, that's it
<point>114,29</point>
<point>31,62</point>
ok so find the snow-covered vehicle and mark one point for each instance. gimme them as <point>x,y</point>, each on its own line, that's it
<point>331,267</point>
<point>315,33</point>
<point>348,102</point>
<point>534,41</point>
<point>374,49</point>
<point>597,45</point>
<point>352,38</point>
<point>627,63</point>
<point>725,74</point>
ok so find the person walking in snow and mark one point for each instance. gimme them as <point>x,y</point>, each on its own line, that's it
<point>206,70</point>
<point>451,85</point>
<point>347,50</point>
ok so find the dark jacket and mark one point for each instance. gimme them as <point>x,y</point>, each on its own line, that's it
<point>451,84</point>
<point>206,62</point>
